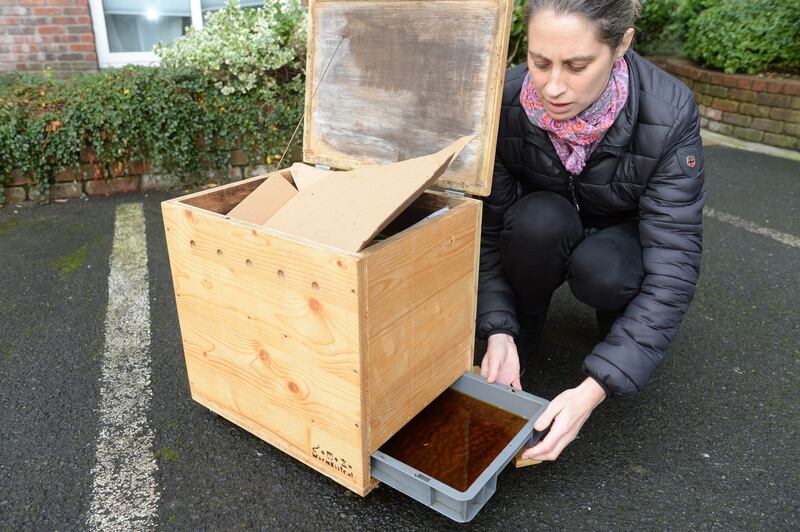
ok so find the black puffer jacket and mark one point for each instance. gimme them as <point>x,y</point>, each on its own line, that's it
<point>649,166</point>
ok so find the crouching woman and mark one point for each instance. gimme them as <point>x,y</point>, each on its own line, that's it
<point>598,181</point>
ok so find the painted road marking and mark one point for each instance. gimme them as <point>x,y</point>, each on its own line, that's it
<point>783,238</point>
<point>124,491</point>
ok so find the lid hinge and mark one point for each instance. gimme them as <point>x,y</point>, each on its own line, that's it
<point>456,193</point>
<point>322,167</point>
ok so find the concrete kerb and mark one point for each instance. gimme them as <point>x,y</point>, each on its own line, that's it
<point>710,139</point>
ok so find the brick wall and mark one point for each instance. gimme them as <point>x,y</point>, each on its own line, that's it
<point>35,34</point>
<point>752,108</point>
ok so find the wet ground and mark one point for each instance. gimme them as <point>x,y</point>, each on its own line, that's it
<point>711,443</point>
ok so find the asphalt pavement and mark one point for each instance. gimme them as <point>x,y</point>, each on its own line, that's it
<point>711,443</point>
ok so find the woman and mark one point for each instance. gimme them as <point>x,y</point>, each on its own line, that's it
<point>598,181</point>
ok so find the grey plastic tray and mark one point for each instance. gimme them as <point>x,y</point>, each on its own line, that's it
<point>462,506</point>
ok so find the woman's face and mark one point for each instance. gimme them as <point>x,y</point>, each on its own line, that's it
<point>569,65</point>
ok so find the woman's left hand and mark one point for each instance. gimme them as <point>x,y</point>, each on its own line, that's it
<point>568,412</point>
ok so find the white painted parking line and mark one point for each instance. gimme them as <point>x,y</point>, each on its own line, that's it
<point>124,491</point>
<point>783,238</point>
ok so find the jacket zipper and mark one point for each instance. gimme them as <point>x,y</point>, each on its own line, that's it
<point>550,152</point>
<point>572,191</point>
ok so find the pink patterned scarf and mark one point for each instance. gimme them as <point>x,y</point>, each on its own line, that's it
<point>576,138</point>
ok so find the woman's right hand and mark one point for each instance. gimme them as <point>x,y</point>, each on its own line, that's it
<point>501,361</point>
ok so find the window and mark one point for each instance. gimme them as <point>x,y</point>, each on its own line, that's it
<point>126,30</point>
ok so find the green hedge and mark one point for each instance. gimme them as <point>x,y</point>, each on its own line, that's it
<point>241,77</point>
<point>749,36</point>
<point>518,40</point>
<point>659,28</point>
<point>175,118</point>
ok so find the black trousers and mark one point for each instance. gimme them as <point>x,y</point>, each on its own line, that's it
<point>544,243</point>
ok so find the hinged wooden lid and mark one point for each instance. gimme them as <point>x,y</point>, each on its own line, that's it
<point>401,79</point>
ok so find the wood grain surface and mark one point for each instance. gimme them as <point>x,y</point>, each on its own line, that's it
<point>271,337</point>
<point>403,79</point>
<point>421,290</point>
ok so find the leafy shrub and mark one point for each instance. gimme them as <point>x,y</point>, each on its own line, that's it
<point>746,36</point>
<point>688,9</point>
<point>734,35</point>
<point>175,118</point>
<point>183,117</point>
<point>658,27</point>
<point>240,50</point>
<point>518,40</point>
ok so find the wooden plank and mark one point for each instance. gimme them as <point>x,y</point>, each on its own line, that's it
<point>422,356</point>
<point>476,262</point>
<point>271,337</point>
<point>260,255</point>
<point>492,105</point>
<point>404,78</point>
<point>339,472</point>
<point>420,317</point>
<point>364,364</point>
<point>524,462</point>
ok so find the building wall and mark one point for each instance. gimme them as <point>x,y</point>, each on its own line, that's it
<point>36,34</point>
<point>752,108</point>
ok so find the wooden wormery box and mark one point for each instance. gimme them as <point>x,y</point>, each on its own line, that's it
<point>326,353</point>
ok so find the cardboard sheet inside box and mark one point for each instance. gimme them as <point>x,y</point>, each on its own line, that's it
<point>343,209</point>
<point>323,352</point>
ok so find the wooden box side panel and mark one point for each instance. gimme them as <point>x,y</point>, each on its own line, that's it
<point>271,337</point>
<point>421,295</point>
